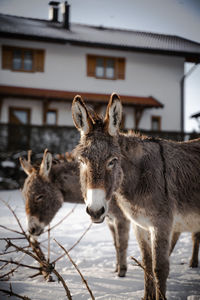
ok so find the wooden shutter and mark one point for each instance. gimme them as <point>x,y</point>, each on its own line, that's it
<point>7,55</point>
<point>121,68</point>
<point>91,65</point>
<point>39,60</point>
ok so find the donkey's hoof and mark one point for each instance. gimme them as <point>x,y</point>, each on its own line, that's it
<point>122,273</point>
<point>193,264</point>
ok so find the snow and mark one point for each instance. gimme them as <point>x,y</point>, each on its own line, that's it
<point>95,257</point>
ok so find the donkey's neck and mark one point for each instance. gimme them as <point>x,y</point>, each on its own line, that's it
<point>141,157</point>
<point>65,176</point>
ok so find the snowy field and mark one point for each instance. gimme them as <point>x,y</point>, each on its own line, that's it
<point>95,257</point>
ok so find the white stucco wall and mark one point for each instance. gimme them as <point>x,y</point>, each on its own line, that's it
<point>146,75</point>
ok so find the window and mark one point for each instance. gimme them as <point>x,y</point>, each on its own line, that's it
<point>105,67</point>
<point>51,117</point>
<point>21,59</point>
<point>156,123</point>
<point>19,115</point>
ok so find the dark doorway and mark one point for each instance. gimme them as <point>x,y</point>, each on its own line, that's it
<point>19,131</point>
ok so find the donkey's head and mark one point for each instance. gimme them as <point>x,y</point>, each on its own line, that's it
<point>99,155</point>
<point>43,199</point>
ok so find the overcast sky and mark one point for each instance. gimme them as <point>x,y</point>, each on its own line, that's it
<point>179,17</point>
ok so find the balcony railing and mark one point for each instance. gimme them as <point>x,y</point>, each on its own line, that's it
<point>58,139</point>
<point>15,140</point>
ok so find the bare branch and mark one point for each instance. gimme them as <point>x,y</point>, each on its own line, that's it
<point>64,218</point>
<point>76,267</point>
<point>11,293</point>
<point>78,241</point>
<point>149,275</point>
<point>60,278</point>
<point>48,257</point>
<point>12,230</point>
<point>19,264</point>
<point>14,214</point>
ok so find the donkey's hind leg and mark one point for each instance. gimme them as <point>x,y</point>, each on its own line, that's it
<point>174,240</point>
<point>195,250</point>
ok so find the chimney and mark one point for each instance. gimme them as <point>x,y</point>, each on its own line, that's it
<point>65,13</point>
<point>53,11</point>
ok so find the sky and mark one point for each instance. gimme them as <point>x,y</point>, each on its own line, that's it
<point>177,17</point>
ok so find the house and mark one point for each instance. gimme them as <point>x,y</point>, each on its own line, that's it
<point>45,63</point>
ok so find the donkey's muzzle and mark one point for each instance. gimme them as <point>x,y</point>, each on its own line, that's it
<point>96,215</point>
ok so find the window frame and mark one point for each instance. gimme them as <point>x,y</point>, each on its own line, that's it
<point>17,108</point>
<point>92,59</point>
<point>34,53</point>
<point>105,59</point>
<point>158,120</point>
<point>51,110</point>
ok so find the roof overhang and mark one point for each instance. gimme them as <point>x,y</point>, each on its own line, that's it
<point>189,56</point>
<point>67,96</point>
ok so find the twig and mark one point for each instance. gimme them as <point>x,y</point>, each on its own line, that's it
<point>48,257</point>
<point>12,230</point>
<point>17,219</point>
<point>78,241</point>
<point>149,275</point>
<point>13,251</point>
<point>69,213</point>
<point>10,272</point>
<point>11,293</point>
<point>60,278</point>
<point>76,267</point>
<point>19,264</point>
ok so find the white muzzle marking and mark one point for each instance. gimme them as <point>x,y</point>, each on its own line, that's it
<point>96,199</point>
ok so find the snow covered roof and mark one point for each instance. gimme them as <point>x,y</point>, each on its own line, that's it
<point>79,34</point>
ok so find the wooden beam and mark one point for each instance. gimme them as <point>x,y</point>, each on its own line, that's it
<point>45,109</point>
<point>138,111</point>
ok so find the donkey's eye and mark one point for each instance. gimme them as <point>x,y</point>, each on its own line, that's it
<point>111,163</point>
<point>38,198</point>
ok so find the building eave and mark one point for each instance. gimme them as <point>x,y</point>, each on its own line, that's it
<point>67,96</point>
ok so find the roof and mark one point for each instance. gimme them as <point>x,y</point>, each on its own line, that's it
<point>79,34</point>
<point>196,115</point>
<point>46,94</point>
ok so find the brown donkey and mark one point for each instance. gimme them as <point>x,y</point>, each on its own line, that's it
<point>54,182</point>
<point>156,182</point>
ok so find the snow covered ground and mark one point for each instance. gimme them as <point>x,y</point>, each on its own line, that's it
<point>95,257</point>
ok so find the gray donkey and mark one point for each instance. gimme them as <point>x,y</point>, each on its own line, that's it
<point>53,182</point>
<point>156,183</point>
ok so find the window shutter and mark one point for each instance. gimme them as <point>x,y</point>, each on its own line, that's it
<point>91,65</point>
<point>7,57</point>
<point>39,60</point>
<point>121,68</point>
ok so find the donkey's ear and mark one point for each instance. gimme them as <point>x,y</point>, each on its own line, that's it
<point>113,115</point>
<point>26,166</point>
<point>80,115</point>
<point>46,164</point>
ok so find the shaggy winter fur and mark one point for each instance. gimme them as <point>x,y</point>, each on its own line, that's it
<point>156,183</point>
<point>52,183</point>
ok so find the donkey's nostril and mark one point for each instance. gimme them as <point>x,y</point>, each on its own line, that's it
<point>87,210</point>
<point>32,230</point>
<point>95,214</point>
<point>102,211</point>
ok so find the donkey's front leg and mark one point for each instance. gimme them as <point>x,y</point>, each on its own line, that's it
<point>122,227</point>
<point>144,241</point>
<point>160,239</point>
